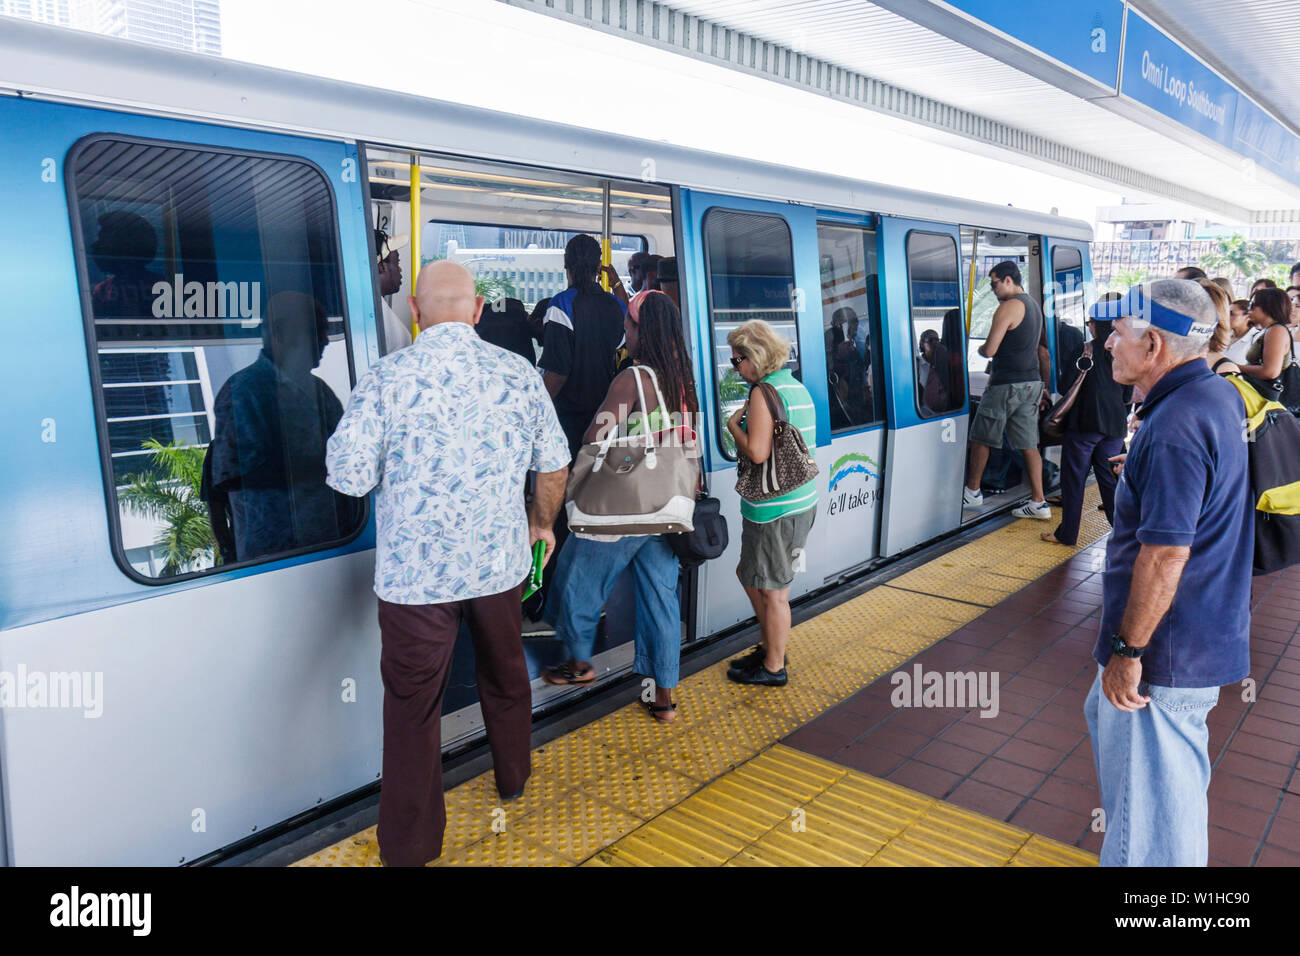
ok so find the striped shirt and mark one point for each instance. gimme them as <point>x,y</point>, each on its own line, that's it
<point>799,410</point>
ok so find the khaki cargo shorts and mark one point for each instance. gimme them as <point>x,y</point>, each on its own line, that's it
<point>770,551</point>
<point>1012,409</point>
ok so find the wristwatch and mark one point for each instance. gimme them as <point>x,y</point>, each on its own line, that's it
<point>1120,647</point>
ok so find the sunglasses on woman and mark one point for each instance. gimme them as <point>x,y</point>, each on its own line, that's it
<point>736,360</point>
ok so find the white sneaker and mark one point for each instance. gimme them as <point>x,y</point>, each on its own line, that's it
<point>971,499</point>
<point>1034,509</point>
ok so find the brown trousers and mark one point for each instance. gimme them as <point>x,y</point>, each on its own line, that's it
<point>415,663</point>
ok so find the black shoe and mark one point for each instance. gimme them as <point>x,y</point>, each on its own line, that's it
<point>756,655</point>
<point>758,674</point>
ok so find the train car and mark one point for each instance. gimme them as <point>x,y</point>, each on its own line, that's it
<point>188,636</point>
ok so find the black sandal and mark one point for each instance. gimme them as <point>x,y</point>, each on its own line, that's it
<point>561,674</point>
<point>656,709</point>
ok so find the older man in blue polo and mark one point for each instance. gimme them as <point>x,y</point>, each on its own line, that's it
<point>1175,621</point>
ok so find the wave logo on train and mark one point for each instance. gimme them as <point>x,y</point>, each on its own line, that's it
<point>844,468</point>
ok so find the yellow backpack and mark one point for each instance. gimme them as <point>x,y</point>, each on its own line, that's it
<point>1273,435</point>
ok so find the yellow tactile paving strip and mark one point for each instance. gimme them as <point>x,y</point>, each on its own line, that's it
<point>711,789</point>
<point>788,808</point>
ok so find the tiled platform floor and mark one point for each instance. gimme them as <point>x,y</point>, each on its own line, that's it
<point>1032,765</point>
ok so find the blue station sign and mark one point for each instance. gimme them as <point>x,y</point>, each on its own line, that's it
<point>1082,35</point>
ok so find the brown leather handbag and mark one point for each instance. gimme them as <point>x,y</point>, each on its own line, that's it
<point>1051,427</point>
<point>789,464</point>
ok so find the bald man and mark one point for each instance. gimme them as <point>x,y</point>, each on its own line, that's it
<point>445,431</point>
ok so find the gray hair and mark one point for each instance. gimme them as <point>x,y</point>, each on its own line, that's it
<point>1189,298</point>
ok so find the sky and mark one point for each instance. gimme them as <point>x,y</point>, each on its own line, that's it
<point>485,53</point>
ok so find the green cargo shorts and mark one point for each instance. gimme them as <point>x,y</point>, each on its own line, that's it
<point>1009,408</point>
<point>769,551</point>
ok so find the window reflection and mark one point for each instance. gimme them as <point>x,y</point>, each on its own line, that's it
<point>215,299</point>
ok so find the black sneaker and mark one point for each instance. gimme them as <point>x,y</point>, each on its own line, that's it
<point>758,674</point>
<point>756,655</point>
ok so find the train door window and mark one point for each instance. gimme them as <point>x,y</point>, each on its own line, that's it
<point>217,332</point>
<point>934,293</point>
<point>1066,304</point>
<point>851,324</point>
<point>749,258</point>
<point>508,226</point>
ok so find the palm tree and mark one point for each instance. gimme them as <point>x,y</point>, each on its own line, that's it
<point>169,492</point>
<point>1236,254</point>
<point>1129,278</point>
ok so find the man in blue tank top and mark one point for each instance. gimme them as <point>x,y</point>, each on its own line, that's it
<point>1010,402</point>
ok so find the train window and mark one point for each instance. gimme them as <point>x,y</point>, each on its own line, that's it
<point>851,323</point>
<point>938,342</point>
<point>508,225</point>
<point>1065,303</point>
<point>750,263</point>
<point>212,288</point>
<point>514,262</point>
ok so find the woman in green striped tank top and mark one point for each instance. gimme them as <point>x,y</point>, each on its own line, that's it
<point>774,531</point>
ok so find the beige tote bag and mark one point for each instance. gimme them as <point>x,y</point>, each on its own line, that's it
<point>643,484</point>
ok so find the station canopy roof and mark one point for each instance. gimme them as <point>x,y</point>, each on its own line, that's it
<point>1192,100</point>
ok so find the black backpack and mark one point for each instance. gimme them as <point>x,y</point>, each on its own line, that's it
<point>1274,438</point>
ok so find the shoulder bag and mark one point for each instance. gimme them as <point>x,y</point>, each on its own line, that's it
<point>708,539</point>
<point>789,464</point>
<point>1051,426</point>
<point>635,484</point>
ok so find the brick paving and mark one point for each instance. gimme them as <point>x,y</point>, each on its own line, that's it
<point>1032,764</point>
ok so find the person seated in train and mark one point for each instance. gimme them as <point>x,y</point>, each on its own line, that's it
<point>668,279</point>
<point>932,369</point>
<point>774,530</point>
<point>587,568</point>
<point>848,366</point>
<point>504,323</point>
<point>122,251</point>
<point>397,331</point>
<point>267,454</point>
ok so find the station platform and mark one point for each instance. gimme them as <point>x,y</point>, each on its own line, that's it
<point>828,771</point>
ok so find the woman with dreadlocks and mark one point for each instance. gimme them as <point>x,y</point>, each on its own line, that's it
<point>587,568</point>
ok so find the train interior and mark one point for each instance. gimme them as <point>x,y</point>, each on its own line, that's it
<point>508,225</point>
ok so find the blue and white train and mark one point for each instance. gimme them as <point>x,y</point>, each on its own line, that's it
<point>167,690</point>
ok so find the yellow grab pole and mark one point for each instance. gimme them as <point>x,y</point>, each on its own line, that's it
<point>970,285</point>
<point>416,230</point>
<point>606,245</point>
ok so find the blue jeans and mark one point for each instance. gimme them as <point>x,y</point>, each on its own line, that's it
<point>1153,769</point>
<point>584,576</point>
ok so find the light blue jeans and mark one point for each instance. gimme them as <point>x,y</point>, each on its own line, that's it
<point>584,576</point>
<point>1153,770</point>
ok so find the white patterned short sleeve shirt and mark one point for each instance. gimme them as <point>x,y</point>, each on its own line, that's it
<point>444,431</point>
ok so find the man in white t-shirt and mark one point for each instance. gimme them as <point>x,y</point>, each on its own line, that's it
<point>397,331</point>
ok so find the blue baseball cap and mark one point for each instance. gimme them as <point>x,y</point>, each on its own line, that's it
<point>1137,303</point>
